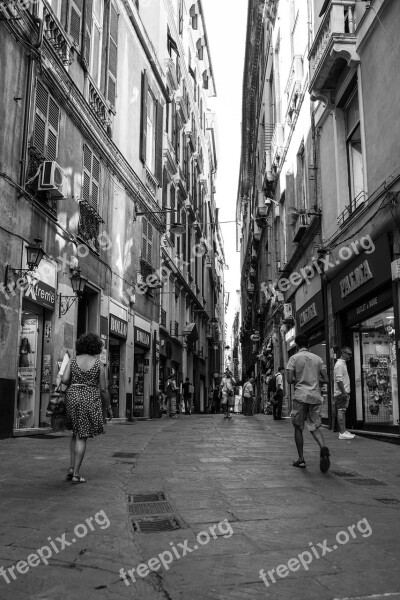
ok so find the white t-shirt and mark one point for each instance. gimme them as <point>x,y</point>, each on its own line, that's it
<point>340,373</point>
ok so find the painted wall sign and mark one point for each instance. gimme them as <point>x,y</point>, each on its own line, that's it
<point>355,279</point>
<point>118,327</point>
<point>142,337</point>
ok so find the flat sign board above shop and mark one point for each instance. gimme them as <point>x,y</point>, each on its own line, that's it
<point>142,337</point>
<point>118,327</point>
<point>362,275</point>
<point>310,314</point>
<point>42,285</point>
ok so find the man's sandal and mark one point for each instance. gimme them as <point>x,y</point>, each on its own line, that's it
<point>70,475</point>
<point>78,479</point>
<point>301,464</point>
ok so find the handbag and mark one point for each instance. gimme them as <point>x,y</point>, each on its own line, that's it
<point>56,405</point>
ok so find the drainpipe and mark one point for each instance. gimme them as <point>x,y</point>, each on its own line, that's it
<point>28,100</point>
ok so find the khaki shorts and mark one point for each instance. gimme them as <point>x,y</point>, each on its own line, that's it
<point>342,401</point>
<point>303,413</point>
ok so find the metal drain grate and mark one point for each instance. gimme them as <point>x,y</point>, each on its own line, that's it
<point>150,508</point>
<point>344,473</point>
<point>152,497</point>
<point>125,454</point>
<point>366,481</point>
<point>393,501</point>
<point>154,525</point>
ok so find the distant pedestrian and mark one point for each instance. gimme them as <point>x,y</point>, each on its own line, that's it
<point>277,399</point>
<point>248,397</point>
<point>86,377</point>
<point>171,392</point>
<point>228,394</point>
<point>187,396</point>
<point>341,391</point>
<point>307,371</point>
<point>216,404</point>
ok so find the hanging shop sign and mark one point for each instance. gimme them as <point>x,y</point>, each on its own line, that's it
<point>118,327</point>
<point>364,274</point>
<point>310,314</point>
<point>289,338</point>
<point>142,338</point>
<point>41,286</point>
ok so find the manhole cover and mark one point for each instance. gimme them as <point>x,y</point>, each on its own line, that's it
<point>125,454</point>
<point>152,497</point>
<point>366,482</point>
<point>388,500</point>
<point>344,473</point>
<point>150,508</point>
<point>154,525</point>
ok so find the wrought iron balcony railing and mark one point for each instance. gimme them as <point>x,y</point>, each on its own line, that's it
<point>57,37</point>
<point>98,104</point>
<point>163,319</point>
<point>88,226</point>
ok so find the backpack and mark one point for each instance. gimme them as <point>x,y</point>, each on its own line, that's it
<point>272,384</point>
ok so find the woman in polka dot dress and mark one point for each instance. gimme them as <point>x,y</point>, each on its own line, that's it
<point>86,378</point>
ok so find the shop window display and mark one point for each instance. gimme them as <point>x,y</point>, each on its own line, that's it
<point>379,370</point>
<point>27,373</point>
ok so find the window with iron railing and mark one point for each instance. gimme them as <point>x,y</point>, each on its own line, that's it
<point>163,319</point>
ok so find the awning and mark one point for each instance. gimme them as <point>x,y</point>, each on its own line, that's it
<point>191,333</point>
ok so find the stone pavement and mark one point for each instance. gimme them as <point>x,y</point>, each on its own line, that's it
<point>210,470</point>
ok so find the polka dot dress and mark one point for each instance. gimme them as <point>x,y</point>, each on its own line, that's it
<point>83,404</point>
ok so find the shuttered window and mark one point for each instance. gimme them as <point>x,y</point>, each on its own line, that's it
<point>112,55</point>
<point>46,127</point>
<point>180,17</point>
<point>75,21</point>
<point>87,34</point>
<point>151,130</point>
<point>147,240</point>
<point>91,177</point>
<point>172,213</point>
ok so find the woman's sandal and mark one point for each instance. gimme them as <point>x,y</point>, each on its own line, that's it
<point>301,464</point>
<point>78,479</point>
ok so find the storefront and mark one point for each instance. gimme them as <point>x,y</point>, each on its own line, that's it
<point>363,302</point>
<point>35,361</point>
<point>141,371</point>
<point>116,362</point>
<point>310,321</point>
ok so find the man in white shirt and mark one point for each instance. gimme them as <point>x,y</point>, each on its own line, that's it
<point>341,391</point>
<point>307,371</point>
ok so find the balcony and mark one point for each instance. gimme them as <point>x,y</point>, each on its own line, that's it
<point>183,109</point>
<point>293,87</point>
<point>170,68</point>
<point>300,227</point>
<point>98,104</point>
<point>88,227</point>
<point>163,319</point>
<point>277,144</point>
<point>58,39</point>
<point>333,49</point>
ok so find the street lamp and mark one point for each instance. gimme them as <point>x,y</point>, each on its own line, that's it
<point>78,285</point>
<point>34,254</point>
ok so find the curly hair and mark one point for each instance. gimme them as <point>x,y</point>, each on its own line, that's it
<point>88,343</point>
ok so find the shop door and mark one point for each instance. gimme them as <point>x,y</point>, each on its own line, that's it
<point>30,352</point>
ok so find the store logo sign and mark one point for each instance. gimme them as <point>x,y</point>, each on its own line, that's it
<point>118,326</point>
<point>355,279</point>
<point>142,337</point>
<point>308,314</point>
<point>41,293</point>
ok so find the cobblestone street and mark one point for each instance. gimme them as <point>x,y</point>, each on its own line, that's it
<point>235,475</point>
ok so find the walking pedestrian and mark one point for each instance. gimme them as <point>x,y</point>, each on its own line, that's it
<point>248,397</point>
<point>228,395</point>
<point>341,391</point>
<point>86,377</point>
<point>216,400</point>
<point>187,396</point>
<point>171,392</point>
<point>277,399</point>
<point>307,372</point>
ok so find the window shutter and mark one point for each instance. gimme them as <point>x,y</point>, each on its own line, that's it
<point>112,59</point>
<point>87,172</point>
<point>75,20</point>
<point>149,242</point>
<point>159,142</point>
<point>95,181</point>
<point>52,131</point>
<point>180,17</point>
<point>173,219</point>
<point>87,37</point>
<point>144,239</point>
<point>143,123</point>
<point>41,107</point>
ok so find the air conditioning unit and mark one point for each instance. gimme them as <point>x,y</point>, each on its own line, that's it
<point>51,179</point>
